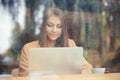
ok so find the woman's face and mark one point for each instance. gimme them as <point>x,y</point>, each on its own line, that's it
<point>53,28</point>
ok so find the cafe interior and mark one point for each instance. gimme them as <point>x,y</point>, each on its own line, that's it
<point>92,24</point>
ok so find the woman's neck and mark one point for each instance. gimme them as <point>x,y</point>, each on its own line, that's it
<point>51,43</point>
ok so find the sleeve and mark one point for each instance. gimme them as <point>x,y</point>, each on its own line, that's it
<point>87,67</point>
<point>23,64</point>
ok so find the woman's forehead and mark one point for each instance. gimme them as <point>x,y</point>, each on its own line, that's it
<point>54,19</point>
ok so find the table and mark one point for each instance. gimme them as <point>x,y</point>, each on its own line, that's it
<point>109,76</point>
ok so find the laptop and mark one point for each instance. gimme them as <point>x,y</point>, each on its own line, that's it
<point>62,60</point>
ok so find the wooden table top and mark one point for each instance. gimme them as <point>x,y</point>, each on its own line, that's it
<point>109,76</point>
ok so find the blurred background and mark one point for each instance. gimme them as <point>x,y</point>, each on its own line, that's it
<point>93,24</point>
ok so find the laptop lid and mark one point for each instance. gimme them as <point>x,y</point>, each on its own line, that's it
<point>62,60</point>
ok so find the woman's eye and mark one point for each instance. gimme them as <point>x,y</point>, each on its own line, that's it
<point>59,26</point>
<point>49,25</point>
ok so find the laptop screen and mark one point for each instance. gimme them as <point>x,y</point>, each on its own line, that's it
<point>62,60</point>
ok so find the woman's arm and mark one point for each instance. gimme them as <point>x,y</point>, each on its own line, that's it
<point>86,67</point>
<point>23,64</point>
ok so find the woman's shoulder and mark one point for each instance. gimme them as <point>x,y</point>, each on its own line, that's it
<point>32,44</point>
<point>71,43</point>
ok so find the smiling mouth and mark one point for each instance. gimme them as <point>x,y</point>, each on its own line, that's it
<point>53,35</point>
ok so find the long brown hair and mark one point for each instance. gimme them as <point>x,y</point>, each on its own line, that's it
<point>62,41</point>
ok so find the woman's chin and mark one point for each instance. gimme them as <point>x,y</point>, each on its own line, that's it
<point>53,38</point>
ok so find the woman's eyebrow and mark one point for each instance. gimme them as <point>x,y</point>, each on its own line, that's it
<point>49,23</point>
<point>53,23</point>
<point>59,24</point>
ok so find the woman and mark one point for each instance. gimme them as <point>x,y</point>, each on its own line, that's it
<point>53,34</point>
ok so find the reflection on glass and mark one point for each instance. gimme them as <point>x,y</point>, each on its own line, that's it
<point>93,24</point>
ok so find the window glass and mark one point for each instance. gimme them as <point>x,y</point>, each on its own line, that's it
<point>92,24</point>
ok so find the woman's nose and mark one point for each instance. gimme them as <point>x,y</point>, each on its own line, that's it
<point>54,29</point>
